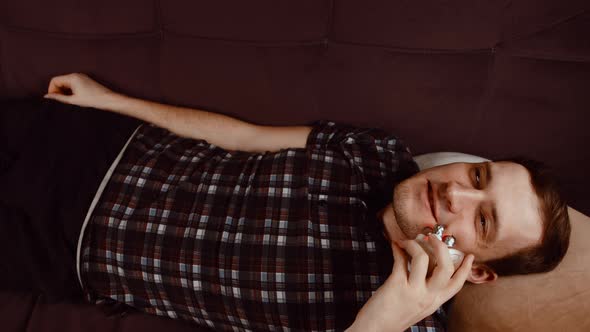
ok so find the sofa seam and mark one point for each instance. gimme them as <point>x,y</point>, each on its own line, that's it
<point>546,56</point>
<point>553,25</point>
<point>77,36</point>
<point>271,44</point>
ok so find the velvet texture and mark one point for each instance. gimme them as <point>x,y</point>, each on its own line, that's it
<point>489,78</point>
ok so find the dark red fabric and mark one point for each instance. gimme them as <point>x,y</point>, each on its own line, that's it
<point>487,78</point>
<point>30,312</point>
<point>491,78</point>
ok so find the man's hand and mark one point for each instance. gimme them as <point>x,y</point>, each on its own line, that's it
<point>408,297</point>
<point>78,89</point>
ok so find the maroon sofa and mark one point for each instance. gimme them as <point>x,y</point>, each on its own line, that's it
<point>490,78</point>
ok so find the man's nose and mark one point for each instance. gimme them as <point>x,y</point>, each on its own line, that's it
<point>460,196</point>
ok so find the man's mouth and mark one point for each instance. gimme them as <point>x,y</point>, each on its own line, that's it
<point>431,201</point>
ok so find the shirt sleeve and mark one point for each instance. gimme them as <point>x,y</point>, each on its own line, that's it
<point>432,323</point>
<point>379,157</point>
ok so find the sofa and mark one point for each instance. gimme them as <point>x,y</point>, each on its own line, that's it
<point>486,78</point>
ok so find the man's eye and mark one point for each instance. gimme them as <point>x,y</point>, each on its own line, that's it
<point>482,220</point>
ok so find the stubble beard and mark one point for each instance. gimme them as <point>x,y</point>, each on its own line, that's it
<point>402,199</point>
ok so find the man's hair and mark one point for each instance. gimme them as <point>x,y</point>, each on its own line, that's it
<point>555,239</point>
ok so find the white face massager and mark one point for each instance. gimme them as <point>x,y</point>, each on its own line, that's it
<point>456,255</point>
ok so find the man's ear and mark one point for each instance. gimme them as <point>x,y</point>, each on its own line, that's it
<point>480,273</point>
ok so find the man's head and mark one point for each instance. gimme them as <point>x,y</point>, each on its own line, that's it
<point>507,213</point>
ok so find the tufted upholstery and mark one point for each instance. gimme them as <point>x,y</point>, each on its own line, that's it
<point>490,78</point>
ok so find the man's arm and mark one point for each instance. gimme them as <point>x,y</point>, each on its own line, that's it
<point>221,130</point>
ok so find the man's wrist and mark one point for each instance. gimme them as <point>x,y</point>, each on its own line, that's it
<point>119,103</point>
<point>358,326</point>
<point>111,100</point>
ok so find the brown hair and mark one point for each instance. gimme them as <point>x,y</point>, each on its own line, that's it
<point>555,239</point>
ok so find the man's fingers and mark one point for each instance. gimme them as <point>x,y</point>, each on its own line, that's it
<point>58,97</point>
<point>400,262</point>
<point>458,279</point>
<point>444,265</point>
<point>58,83</point>
<point>419,264</point>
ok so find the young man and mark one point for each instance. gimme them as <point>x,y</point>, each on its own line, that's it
<point>233,225</point>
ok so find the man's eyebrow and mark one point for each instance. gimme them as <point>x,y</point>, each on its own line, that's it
<point>495,224</point>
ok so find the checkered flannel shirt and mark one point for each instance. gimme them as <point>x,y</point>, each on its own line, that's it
<point>276,241</point>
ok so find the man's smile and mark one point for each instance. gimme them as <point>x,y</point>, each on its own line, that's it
<point>430,202</point>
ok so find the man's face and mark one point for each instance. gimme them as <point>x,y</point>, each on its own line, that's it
<point>462,197</point>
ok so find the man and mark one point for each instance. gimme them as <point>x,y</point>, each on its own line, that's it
<point>233,225</point>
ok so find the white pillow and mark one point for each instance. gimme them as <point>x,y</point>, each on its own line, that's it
<point>429,160</point>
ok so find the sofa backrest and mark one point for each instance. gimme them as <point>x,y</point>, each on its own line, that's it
<point>490,78</point>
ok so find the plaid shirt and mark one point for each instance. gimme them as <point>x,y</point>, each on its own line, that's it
<point>288,240</point>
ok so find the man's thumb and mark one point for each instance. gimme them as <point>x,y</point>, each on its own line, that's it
<point>56,96</point>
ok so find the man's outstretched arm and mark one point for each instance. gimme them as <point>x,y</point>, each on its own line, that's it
<point>224,131</point>
<point>221,130</point>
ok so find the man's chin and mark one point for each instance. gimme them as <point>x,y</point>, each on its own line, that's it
<point>408,215</point>
<point>392,230</point>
